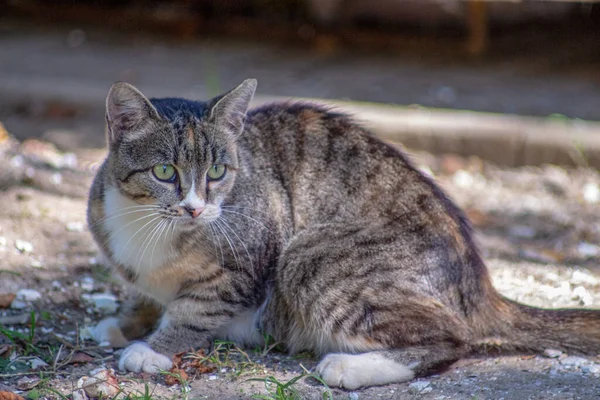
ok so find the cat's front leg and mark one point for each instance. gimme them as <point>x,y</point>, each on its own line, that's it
<point>188,323</point>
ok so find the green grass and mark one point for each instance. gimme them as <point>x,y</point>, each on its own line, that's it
<point>24,341</point>
<point>277,390</point>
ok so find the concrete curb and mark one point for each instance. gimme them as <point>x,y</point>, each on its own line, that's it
<point>503,139</point>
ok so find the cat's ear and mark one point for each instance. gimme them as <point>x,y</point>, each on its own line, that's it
<point>126,109</point>
<point>230,109</point>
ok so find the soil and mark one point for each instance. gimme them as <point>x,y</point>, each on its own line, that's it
<point>537,227</point>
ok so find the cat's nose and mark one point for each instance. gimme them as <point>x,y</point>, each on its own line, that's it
<point>194,211</point>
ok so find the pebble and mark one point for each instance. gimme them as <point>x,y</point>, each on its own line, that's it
<point>87,284</point>
<point>23,246</point>
<point>102,302</point>
<point>75,226</point>
<point>353,396</point>
<point>581,277</point>
<point>56,285</point>
<point>36,264</point>
<point>580,293</point>
<point>3,241</point>
<point>28,295</point>
<point>588,250</point>
<point>591,369</point>
<point>591,193</point>
<point>462,179</point>
<point>552,353</point>
<point>36,363</point>
<point>521,231</point>
<point>574,361</point>
<point>420,387</point>
<point>18,305</point>
<point>212,377</point>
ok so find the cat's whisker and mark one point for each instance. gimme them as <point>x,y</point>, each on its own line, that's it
<point>227,238</point>
<point>216,242</point>
<point>147,241</point>
<point>136,233</point>
<point>226,225</point>
<point>252,209</point>
<point>163,225</point>
<point>112,234</point>
<point>120,213</point>
<point>246,216</point>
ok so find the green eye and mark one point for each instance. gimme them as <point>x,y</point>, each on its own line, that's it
<point>164,172</point>
<point>216,172</point>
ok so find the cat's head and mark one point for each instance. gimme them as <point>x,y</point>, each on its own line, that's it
<point>176,156</point>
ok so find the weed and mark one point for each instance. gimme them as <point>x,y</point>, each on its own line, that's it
<point>277,390</point>
<point>26,341</point>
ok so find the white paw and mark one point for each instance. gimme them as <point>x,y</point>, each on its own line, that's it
<point>140,357</point>
<point>108,332</point>
<point>351,371</point>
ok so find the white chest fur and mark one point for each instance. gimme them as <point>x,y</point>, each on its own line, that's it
<point>138,237</point>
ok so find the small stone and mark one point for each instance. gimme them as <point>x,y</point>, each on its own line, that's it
<point>420,387</point>
<point>75,226</point>
<point>574,361</point>
<point>37,363</point>
<point>56,178</point>
<point>23,246</point>
<point>3,241</point>
<point>56,285</point>
<point>87,284</point>
<point>212,377</point>
<point>591,369</point>
<point>588,250</point>
<point>102,302</point>
<point>28,295</point>
<point>36,264</point>
<point>582,277</point>
<point>463,179</point>
<point>552,353</point>
<point>521,231</point>
<point>101,384</point>
<point>353,396</point>
<point>591,193</point>
<point>18,305</point>
<point>580,293</point>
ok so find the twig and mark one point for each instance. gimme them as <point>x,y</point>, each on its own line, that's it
<point>31,373</point>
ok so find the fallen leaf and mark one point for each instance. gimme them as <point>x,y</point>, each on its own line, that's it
<point>28,382</point>
<point>6,299</point>
<point>10,396</point>
<point>176,376</point>
<point>6,350</point>
<point>80,358</point>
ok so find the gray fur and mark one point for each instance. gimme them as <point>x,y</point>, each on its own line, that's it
<point>338,241</point>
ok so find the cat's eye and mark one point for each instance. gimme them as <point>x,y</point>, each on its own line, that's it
<point>164,172</point>
<point>216,172</point>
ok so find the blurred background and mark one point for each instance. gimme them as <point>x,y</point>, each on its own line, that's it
<point>499,101</point>
<point>59,57</point>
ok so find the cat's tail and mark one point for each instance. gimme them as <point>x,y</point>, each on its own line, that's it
<point>508,326</point>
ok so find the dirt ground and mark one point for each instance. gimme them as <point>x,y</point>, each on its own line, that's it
<point>538,229</point>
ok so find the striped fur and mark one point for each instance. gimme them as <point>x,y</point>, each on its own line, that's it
<point>319,234</point>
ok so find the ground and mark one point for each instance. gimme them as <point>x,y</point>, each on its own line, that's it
<point>537,227</point>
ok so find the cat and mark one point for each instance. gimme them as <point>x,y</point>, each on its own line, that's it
<point>291,220</point>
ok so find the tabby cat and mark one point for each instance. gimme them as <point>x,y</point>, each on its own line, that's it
<point>292,220</point>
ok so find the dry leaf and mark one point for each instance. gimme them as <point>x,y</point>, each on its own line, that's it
<point>10,396</point>
<point>6,350</point>
<point>80,357</point>
<point>176,376</point>
<point>6,299</point>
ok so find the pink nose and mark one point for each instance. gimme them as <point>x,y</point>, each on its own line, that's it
<point>194,212</point>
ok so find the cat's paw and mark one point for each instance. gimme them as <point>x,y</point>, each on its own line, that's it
<point>351,371</point>
<point>139,357</point>
<point>107,332</point>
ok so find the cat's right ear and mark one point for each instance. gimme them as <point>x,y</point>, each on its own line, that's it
<point>126,109</point>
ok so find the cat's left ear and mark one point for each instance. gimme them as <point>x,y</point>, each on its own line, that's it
<point>230,110</point>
